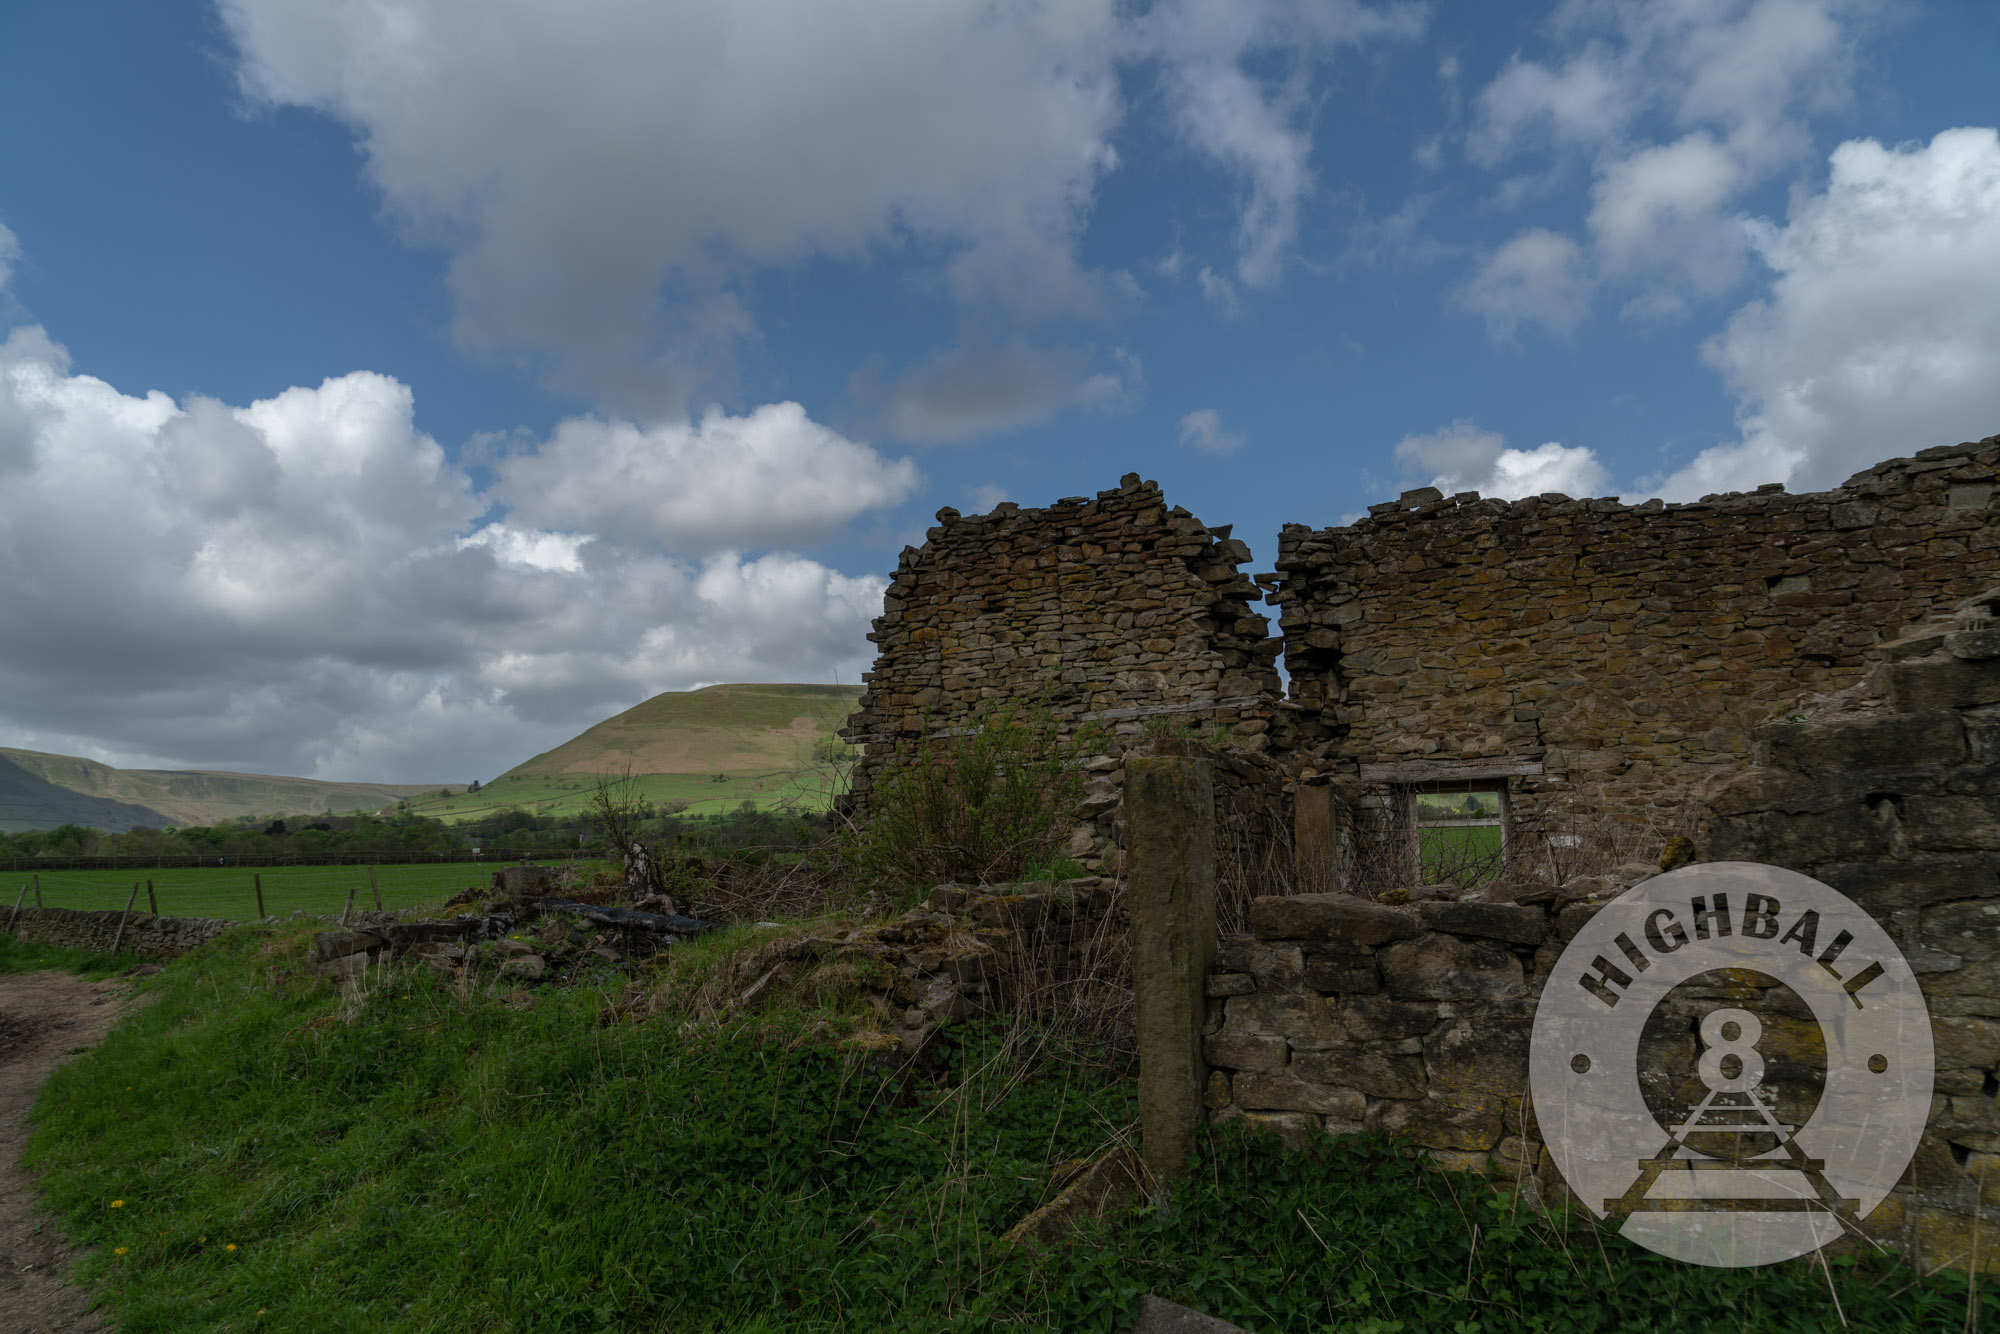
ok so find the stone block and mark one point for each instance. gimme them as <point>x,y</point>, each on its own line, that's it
<point>1886,887</point>
<point>1946,823</point>
<point>1160,1316</point>
<point>1371,1070</point>
<point>1970,930</point>
<point>330,945</point>
<point>1973,645</point>
<point>1755,789</point>
<point>1339,918</point>
<point>1245,1051</point>
<point>1970,1042</point>
<point>1901,740</point>
<point>1949,1239</point>
<point>1942,683</point>
<point>1440,967</point>
<point>1230,984</point>
<point>1278,1013</point>
<point>1283,1091</point>
<point>1352,972</point>
<point>1378,1018</point>
<point>1514,923</point>
<point>1575,916</point>
<point>1480,1057</point>
<point>1467,1121</point>
<point>1279,966</point>
<point>1295,1130</point>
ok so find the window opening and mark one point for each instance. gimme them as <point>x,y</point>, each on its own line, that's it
<point>1461,832</point>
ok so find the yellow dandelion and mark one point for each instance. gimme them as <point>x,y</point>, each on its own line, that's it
<point>201,1241</point>
<point>230,1246</point>
<point>118,1250</point>
<point>118,1204</point>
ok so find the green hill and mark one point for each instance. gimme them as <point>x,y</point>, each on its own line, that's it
<point>41,791</point>
<point>713,748</point>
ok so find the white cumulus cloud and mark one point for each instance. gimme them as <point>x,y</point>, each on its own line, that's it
<point>1880,333</point>
<point>606,177</point>
<point>1678,107</point>
<point>1462,457</point>
<point>772,476</point>
<point>1203,429</point>
<point>309,584</point>
<point>1539,276</point>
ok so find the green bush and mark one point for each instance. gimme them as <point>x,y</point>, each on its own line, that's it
<point>982,804</point>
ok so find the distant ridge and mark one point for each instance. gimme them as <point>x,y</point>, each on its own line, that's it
<point>711,748</point>
<point>41,791</point>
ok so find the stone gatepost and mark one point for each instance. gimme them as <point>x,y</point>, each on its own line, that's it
<point>1170,894</point>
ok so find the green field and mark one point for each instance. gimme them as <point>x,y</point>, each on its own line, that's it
<point>226,892</point>
<point>569,794</point>
<point>1459,854</point>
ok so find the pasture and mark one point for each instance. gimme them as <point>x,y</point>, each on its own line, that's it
<point>230,892</point>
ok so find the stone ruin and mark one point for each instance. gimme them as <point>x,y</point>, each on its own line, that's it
<point>1758,674</point>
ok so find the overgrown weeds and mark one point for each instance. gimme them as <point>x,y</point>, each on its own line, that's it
<point>979,804</point>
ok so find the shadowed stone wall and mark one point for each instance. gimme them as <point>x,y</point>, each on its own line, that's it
<point>1890,793</point>
<point>1552,640</point>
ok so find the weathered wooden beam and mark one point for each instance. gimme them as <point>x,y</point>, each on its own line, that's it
<point>1450,771</point>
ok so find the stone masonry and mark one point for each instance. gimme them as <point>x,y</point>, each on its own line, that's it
<point>144,934</point>
<point>1115,611</point>
<point>1548,640</point>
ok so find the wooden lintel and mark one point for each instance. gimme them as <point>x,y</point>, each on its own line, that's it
<point>1450,771</point>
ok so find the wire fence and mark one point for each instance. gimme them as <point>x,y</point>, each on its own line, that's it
<point>235,893</point>
<point>381,856</point>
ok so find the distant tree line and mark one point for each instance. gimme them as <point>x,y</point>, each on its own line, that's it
<point>505,835</point>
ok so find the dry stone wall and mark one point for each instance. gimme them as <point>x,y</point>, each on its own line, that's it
<point>1552,640</point>
<point>1337,1014</point>
<point>144,934</point>
<point>1890,793</point>
<point>1116,611</point>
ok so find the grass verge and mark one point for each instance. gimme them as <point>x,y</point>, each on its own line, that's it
<point>254,1150</point>
<point>28,956</point>
<point>230,893</point>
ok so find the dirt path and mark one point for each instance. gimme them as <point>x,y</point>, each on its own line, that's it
<point>43,1016</point>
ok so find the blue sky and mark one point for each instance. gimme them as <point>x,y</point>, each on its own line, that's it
<point>392,388</point>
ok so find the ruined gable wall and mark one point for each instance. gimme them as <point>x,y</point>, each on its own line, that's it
<point>1638,645</point>
<point>1115,610</point>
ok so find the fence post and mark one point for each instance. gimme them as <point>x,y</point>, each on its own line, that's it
<point>1315,838</point>
<point>152,903</point>
<point>119,939</point>
<point>377,888</point>
<point>1170,893</point>
<point>38,890</point>
<point>349,909</point>
<point>257,882</point>
<point>17,908</point>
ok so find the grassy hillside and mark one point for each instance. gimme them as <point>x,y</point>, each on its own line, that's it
<point>30,801</point>
<point>712,748</point>
<point>41,791</point>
